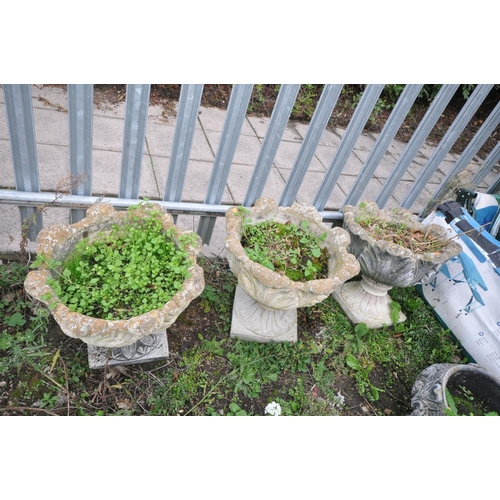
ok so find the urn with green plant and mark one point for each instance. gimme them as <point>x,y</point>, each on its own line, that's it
<point>116,277</point>
<point>284,258</point>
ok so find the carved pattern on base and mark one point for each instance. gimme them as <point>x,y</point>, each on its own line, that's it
<point>366,301</point>
<point>253,321</point>
<point>149,348</point>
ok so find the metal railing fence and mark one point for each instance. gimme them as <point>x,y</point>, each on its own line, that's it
<point>27,195</point>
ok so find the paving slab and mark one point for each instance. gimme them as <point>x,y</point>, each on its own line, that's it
<point>7,179</point>
<point>196,181</point>
<point>107,133</point>
<point>346,182</point>
<point>4,130</point>
<point>329,137</point>
<point>160,137</point>
<point>10,227</point>
<point>310,187</point>
<point>239,180</point>
<point>261,124</point>
<point>401,191</point>
<point>51,127</point>
<point>287,154</point>
<point>365,140</point>
<point>247,149</point>
<point>54,167</point>
<point>326,155</point>
<point>385,166</point>
<point>212,119</point>
<point>215,248</point>
<point>49,98</point>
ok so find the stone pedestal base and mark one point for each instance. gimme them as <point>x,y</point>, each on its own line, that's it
<point>150,348</point>
<point>252,321</point>
<point>366,301</point>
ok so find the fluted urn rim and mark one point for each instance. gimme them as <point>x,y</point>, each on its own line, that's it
<point>397,215</point>
<point>57,241</point>
<point>342,264</point>
<point>428,394</point>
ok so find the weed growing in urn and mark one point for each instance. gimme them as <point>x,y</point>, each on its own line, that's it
<point>286,248</point>
<point>135,268</point>
<point>417,240</point>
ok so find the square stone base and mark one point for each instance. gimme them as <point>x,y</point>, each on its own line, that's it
<point>150,348</point>
<point>251,321</point>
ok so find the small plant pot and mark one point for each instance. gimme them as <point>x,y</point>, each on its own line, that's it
<point>56,243</point>
<point>385,264</point>
<point>266,302</point>
<point>428,395</point>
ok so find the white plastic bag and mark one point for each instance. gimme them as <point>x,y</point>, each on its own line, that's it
<point>465,293</point>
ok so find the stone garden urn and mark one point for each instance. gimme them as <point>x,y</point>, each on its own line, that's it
<point>266,302</point>
<point>385,264</point>
<point>428,395</point>
<point>125,341</point>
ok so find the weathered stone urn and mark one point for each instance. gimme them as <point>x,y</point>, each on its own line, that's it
<point>57,242</point>
<point>266,302</point>
<point>385,264</point>
<point>428,395</point>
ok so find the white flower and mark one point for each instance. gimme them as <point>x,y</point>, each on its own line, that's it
<point>338,400</point>
<point>273,409</point>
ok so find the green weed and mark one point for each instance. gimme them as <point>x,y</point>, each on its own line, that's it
<point>465,403</point>
<point>132,270</point>
<point>306,101</point>
<point>45,371</point>
<point>286,248</point>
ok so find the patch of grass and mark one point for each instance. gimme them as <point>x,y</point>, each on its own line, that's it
<point>335,368</point>
<point>218,294</point>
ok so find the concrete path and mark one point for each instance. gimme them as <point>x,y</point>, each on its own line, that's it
<point>52,135</point>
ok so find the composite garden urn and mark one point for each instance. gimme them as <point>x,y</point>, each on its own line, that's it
<point>430,396</point>
<point>394,250</point>
<point>266,299</point>
<point>160,274</point>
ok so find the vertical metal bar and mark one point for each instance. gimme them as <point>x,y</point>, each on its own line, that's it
<point>354,129</point>
<point>80,101</point>
<point>319,121</point>
<point>488,165</point>
<point>405,101</point>
<point>279,119</point>
<point>187,114</point>
<point>21,125</point>
<point>136,115</point>
<point>495,187</point>
<point>423,130</point>
<point>236,112</point>
<point>444,146</point>
<point>472,148</point>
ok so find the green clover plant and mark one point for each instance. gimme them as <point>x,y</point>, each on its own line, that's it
<point>131,270</point>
